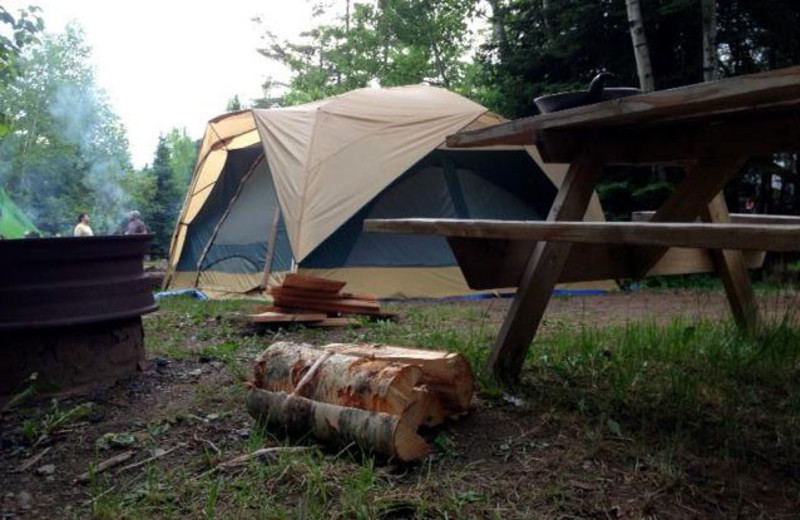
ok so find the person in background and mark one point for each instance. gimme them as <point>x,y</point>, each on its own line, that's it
<point>82,229</point>
<point>134,226</point>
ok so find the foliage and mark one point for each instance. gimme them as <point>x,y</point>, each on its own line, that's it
<point>182,156</point>
<point>164,205</point>
<point>23,29</point>
<point>393,42</point>
<point>67,151</point>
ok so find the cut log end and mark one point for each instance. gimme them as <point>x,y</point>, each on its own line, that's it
<point>409,446</point>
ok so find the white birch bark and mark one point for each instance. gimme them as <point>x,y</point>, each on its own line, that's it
<point>640,49</point>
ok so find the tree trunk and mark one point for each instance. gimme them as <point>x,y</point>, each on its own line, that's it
<point>446,374</point>
<point>709,8</point>
<point>369,384</point>
<point>548,29</point>
<point>498,27</point>
<point>391,435</point>
<point>640,50</point>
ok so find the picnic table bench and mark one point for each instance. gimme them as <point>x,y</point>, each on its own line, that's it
<point>710,129</point>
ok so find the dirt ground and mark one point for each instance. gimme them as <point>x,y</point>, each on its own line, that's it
<point>501,461</point>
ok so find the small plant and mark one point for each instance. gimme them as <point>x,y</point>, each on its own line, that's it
<point>38,430</point>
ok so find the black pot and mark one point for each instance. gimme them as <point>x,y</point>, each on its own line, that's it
<point>596,93</point>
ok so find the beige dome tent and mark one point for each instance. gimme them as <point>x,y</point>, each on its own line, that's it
<point>288,189</point>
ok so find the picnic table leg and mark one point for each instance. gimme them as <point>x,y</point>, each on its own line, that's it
<point>542,271</point>
<point>731,268</point>
<point>704,180</point>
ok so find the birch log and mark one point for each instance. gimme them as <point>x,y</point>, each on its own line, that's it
<point>369,384</point>
<point>446,374</point>
<point>392,435</point>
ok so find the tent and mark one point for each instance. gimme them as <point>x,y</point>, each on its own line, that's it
<point>287,189</point>
<point>13,222</point>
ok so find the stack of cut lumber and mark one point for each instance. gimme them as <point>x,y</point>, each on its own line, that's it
<point>374,395</point>
<point>316,302</point>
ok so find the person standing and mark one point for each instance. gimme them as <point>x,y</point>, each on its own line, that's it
<point>82,229</point>
<point>135,226</point>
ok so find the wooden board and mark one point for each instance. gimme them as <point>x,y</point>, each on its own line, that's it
<point>280,291</point>
<point>330,323</point>
<point>734,218</point>
<point>704,100</point>
<point>279,317</point>
<point>542,272</point>
<point>335,306</point>
<point>711,236</point>
<point>731,268</point>
<point>312,283</point>
<point>490,264</point>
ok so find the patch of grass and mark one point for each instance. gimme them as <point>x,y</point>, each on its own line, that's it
<point>723,390</point>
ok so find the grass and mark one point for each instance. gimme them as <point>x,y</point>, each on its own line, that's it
<point>653,398</point>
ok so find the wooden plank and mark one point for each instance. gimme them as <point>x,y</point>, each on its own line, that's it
<point>329,323</point>
<point>337,306</point>
<point>732,270</point>
<point>308,293</point>
<point>486,265</point>
<point>744,93</point>
<point>314,283</point>
<point>279,317</point>
<point>710,236</point>
<point>734,218</point>
<point>679,142</point>
<point>542,272</point>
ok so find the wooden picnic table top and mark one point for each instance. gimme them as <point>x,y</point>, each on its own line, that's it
<point>774,93</point>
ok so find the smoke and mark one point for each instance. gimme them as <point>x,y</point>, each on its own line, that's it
<point>85,120</point>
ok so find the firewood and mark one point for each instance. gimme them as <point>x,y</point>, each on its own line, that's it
<point>391,435</point>
<point>280,317</point>
<point>344,306</point>
<point>376,385</point>
<point>314,283</point>
<point>447,374</point>
<point>427,409</point>
<point>279,291</point>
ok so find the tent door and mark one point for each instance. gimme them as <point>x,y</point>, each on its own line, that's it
<point>272,234</point>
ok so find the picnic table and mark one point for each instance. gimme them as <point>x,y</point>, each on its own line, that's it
<point>710,129</point>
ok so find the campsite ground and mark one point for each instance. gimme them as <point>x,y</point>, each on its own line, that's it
<point>645,404</point>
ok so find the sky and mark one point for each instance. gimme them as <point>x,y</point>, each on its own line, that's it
<point>176,63</point>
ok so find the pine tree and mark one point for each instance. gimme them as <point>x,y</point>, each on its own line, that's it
<point>165,201</point>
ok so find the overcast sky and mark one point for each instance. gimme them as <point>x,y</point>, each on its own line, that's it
<point>176,63</point>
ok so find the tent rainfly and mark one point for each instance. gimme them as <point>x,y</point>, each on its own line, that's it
<point>288,189</point>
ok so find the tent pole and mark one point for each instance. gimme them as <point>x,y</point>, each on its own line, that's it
<point>225,216</point>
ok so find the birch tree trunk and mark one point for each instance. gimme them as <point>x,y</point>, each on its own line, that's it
<point>640,49</point>
<point>709,40</point>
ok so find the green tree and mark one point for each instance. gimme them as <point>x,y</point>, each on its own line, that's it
<point>234,105</point>
<point>21,31</point>
<point>183,154</point>
<point>393,42</point>
<point>66,151</point>
<point>164,204</point>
